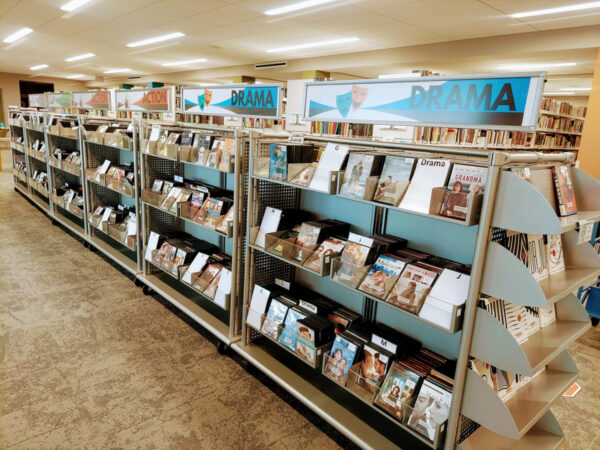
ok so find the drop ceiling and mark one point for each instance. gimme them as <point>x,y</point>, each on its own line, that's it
<point>449,36</point>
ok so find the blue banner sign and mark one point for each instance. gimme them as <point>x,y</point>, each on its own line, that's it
<point>243,100</point>
<point>474,101</point>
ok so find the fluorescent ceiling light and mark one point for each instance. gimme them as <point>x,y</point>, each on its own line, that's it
<point>77,75</point>
<point>560,9</point>
<point>117,70</point>
<point>401,75</point>
<point>74,4</point>
<point>184,63</point>
<point>164,37</point>
<point>296,7</point>
<point>208,84</point>
<point>39,67</point>
<point>535,66</point>
<point>17,35</point>
<point>313,44</point>
<point>576,89</point>
<point>78,57</point>
<point>559,93</point>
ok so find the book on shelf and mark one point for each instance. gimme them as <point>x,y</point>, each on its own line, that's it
<point>429,173</point>
<point>554,254</point>
<point>536,256</point>
<point>565,194</point>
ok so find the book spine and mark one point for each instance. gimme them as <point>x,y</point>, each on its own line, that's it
<point>559,198</point>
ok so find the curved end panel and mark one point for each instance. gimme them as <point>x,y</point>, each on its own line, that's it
<point>579,254</point>
<point>507,278</point>
<point>482,404</point>
<point>493,343</point>
<point>587,190</point>
<point>521,207</point>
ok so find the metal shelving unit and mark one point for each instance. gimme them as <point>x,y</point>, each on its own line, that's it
<point>223,323</point>
<point>102,192</point>
<point>526,415</point>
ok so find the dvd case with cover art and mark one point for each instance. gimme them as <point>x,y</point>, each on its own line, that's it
<point>383,275</point>
<point>353,257</point>
<point>431,409</point>
<point>412,288</point>
<point>288,335</point>
<point>464,183</point>
<point>398,389</point>
<point>565,193</point>
<point>275,316</point>
<point>278,162</point>
<point>373,366</point>
<point>360,167</point>
<point>396,173</point>
<point>327,247</point>
<point>342,356</point>
<point>227,154</point>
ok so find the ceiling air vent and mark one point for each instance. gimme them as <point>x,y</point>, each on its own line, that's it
<point>133,78</point>
<point>270,65</point>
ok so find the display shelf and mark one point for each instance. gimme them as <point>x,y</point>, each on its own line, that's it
<point>506,277</point>
<point>546,434</point>
<point>189,307</point>
<point>37,155</point>
<point>67,222</point>
<point>285,260</point>
<point>315,399</point>
<point>110,188</point>
<point>214,169</point>
<point>493,343</point>
<point>17,147</point>
<point>332,189</point>
<point>551,130</point>
<point>228,234</point>
<point>119,257</point>
<point>522,411</point>
<point>68,170</point>
<point>567,116</point>
<point>21,189</point>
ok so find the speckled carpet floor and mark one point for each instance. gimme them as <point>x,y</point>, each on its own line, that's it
<point>88,361</point>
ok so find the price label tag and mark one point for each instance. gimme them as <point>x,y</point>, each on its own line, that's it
<point>282,283</point>
<point>178,178</point>
<point>384,343</point>
<point>296,139</point>
<point>308,306</point>
<point>106,214</point>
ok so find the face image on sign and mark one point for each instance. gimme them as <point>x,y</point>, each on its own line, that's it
<point>359,95</point>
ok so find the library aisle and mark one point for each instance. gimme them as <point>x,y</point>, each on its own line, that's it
<point>87,360</point>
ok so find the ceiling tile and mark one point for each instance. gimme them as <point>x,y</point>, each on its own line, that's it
<point>352,23</point>
<point>399,34</point>
<point>185,8</point>
<point>427,8</point>
<point>228,15</point>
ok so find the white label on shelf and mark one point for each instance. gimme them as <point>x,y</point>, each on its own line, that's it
<point>106,215</point>
<point>70,197</point>
<point>131,228</point>
<point>258,304</point>
<point>154,133</point>
<point>308,306</point>
<point>296,139</point>
<point>281,283</point>
<point>178,178</point>
<point>384,343</point>
<point>196,266</point>
<point>104,167</point>
<point>362,240</point>
<point>586,227</point>
<point>225,281</point>
<point>152,244</point>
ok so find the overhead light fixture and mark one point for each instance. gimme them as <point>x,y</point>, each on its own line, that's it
<point>79,57</point>
<point>296,7</point>
<point>401,75</point>
<point>576,89</point>
<point>313,44</point>
<point>560,9</point>
<point>17,35</point>
<point>39,67</point>
<point>117,70</point>
<point>535,66</point>
<point>559,93</point>
<point>77,75</point>
<point>74,4</point>
<point>164,37</point>
<point>184,63</point>
<point>208,84</point>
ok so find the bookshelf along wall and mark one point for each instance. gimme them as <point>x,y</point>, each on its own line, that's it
<point>478,416</point>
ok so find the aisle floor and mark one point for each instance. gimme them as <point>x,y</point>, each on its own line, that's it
<point>88,361</point>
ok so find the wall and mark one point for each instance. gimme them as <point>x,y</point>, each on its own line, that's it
<point>9,83</point>
<point>589,154</point>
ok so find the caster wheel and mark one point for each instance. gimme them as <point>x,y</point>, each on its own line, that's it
<point>16,190</point>
<point>138,283</point>
<point>247,366</point>
<point>86,244</point>
<point>53,222</point>
<point>146,290</point>
<point>595,321</point>
<point>222,348</point>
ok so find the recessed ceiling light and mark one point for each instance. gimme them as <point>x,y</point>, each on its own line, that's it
<point>78,57</point>
<point>164,37</point>
<point>576,89</point>
<point>117,70</point>
<point>313,44</point>
<point>560,9</point>
<point>39,67</point>
<point>184,63</point>
<point>74,4</point>
<point>559,93</point>
<point>296,7</point>
<point>401,75</point>
<point>535,66</point>
<point>77,75</point>
<point>17,35</point>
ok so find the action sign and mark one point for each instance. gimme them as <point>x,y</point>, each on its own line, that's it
<point>243,100</point>
<point>145,100</point>
<point>92,100</point>
<point>473,101</point>
<point>59,99</point>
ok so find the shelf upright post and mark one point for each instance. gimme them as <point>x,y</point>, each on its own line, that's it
<point>470,311</point>
<point>83,149</point>
<point>142,182</point>
<point>50,171</point>
<point>138,203</point>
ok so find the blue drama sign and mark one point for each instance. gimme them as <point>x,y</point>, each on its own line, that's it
<point>474,101</point>
<point>246,100</point>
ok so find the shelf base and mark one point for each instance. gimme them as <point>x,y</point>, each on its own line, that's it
<point>123,260</point>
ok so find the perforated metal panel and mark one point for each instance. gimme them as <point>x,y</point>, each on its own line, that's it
<point>466,428</point>
<point>97,154</point>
